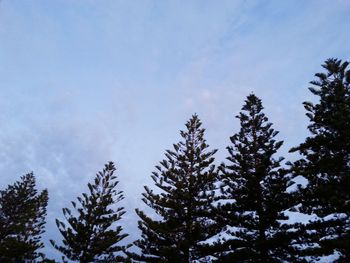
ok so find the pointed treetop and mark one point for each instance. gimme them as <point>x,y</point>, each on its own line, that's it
<point>251,102</point>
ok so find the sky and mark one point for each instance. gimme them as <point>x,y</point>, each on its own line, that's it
<point>85,82</point>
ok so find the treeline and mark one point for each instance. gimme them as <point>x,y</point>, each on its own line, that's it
<point>237,211</point>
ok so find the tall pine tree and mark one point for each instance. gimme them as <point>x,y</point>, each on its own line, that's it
<point>325,163</point>
<point>185,191</point>
<point>92,235</point>
<point>255,185</point>
<point>22,221</point>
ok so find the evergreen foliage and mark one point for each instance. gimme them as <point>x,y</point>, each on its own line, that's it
<point>191,221</point>
<point>325,163</point>
<point>92,235</point>
<point>254,185</point>
<point>22,220</point>
<point>186,183</point>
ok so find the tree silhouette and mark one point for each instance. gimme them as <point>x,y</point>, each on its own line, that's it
<point>185,191</point>
<point>92,235</point>
<point>325,163</point>
<point>22,221</point>
<point>255,185</point>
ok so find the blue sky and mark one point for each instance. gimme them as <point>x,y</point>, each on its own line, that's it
<point>84,82</point>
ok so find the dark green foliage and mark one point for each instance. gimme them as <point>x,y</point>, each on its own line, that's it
<point>325,162</point>
<point>22,220</point>
<point>255,185</point>
<point>185,182</point>
<point>92,235</point>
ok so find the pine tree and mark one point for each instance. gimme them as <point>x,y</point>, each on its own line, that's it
<point>92,235</point>
<point>185,183</point>
<point>22,221</point>
<point>254,185</point>
<point>325,163</point>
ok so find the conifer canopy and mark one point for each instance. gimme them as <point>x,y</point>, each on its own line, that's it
<point>22,221</point>
<point>93,235</point>
<point>254,184</point>
<point>185,183</point>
